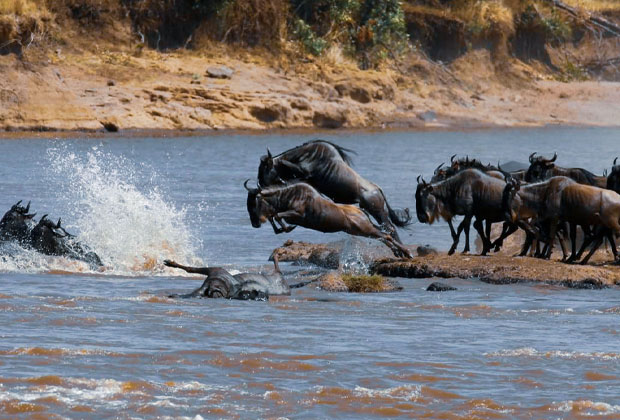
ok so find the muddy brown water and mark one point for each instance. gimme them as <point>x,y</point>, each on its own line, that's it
<point>78,344</point>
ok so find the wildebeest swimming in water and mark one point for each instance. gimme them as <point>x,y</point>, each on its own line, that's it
<point>16,224</point>
<point>300,204</point>
<point>326,167</point>
<point>45,236</point>
<point>245,286</point>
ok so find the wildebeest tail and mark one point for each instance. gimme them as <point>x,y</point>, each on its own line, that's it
<point>400,217</point>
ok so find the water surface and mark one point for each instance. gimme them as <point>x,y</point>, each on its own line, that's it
<point>79,344</point>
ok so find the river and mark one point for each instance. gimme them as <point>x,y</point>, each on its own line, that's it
<point>82,344</point>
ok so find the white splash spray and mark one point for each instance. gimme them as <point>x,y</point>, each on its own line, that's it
<point>132,229</point>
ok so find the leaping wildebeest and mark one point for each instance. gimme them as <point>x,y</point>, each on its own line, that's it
<point>301,205</point>
<point>327,168</point>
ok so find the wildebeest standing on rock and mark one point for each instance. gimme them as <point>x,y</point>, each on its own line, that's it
<point>470,193</point>
<point>327,167</point>
<point>16,224</point>
<point>245,286</point>
<point>300,204</point>
<point>51,238</point>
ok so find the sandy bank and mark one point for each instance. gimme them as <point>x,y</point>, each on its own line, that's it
<point>95,92</point>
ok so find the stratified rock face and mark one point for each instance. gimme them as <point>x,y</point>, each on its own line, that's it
<point>439,287</point>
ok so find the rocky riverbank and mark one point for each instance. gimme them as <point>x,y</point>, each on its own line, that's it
<point>496,269</point>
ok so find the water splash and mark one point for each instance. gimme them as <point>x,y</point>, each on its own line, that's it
<point>119,211</point>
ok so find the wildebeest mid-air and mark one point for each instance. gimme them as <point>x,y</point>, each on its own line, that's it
<point>301,205</point>
<point>327,167</point>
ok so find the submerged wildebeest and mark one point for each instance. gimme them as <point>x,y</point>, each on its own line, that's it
<point>301,205</point>
<point>327,167</point>
<point>16,224</point>
<point>561,199</point>
<point>245,286</point>
<point>470,193</point>
<point>541,169</point>
<point>51,238</point>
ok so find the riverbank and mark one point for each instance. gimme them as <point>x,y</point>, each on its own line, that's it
<point>428,263</point>
<point>169,92</point>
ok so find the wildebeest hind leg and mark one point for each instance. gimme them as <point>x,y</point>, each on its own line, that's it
<point>486,245</point>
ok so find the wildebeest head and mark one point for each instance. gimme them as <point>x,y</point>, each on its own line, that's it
<point>16,223</point>
<point>218,288</point>
<point>539,168</point>
<point>440,173</point>
<point>425,202</point>
<point>50,238</point>
<point>267,172</point>
<point>613,180</point>
<point>255,206</point>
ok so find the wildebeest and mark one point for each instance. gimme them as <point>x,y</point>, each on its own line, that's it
<point>613,179</point>
<point>327,167</point>
<point>51,238</point>
<point>245,286</point>
<point>561,199</point>
<point>16,224</point>
<point>541,169</point>
<point>470,193</point>
<point>301,205</point>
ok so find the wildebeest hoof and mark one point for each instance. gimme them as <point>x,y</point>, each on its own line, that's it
<point>439,287</point>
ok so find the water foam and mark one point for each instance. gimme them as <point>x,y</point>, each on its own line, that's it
<point>131,228</point>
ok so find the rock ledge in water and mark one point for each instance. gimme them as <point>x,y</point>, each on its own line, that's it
<point>335,281</point>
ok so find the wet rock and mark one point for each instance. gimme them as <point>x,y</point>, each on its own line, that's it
<point>425,250</point>
<point>221,72</point>
<point>439,287</point>
<point>322,255</point>
<point>329,119</point>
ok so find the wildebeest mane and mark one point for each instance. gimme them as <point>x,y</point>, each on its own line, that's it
<point>300,153</point>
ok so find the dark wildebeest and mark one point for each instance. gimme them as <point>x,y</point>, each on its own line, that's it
<point>541,169</point>
<point>245,286</point>
<point>470,193</point>
<point>327,167</point>
<point>538,203</point>
<point>51,238</point>
<point>613,179</point>
<point>563,200</point>
<point>301,205</point>
<point>16,224</point>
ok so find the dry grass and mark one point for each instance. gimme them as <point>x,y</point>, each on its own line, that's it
<point>599,6</point>
<point>23,7</point>
<point>365,284</point>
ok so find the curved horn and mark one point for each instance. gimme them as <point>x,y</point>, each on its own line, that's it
<point>58,224</point>
<point>43,218</point>
<point>452,158</point>
<point>28,207</point>
<point>250,190</point>
<point>269,154</point>
<point>555,156</point>
<point>439,167</point>
<point>16,205</point>
<point>507,175</point>
<point>532,157</point>
<point>424,182</point>
<point>418,178</point>
<point>615,160</point>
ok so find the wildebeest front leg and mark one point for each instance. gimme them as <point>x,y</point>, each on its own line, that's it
<point>289,213</point>
<point>456,236</point>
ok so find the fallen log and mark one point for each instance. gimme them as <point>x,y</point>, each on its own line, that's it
<point>598,21</point>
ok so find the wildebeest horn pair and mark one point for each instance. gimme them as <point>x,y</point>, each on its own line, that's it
<point>251,190</point>
<point>423,181</point>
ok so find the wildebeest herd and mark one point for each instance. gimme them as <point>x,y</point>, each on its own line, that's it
<point>314,186</point>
